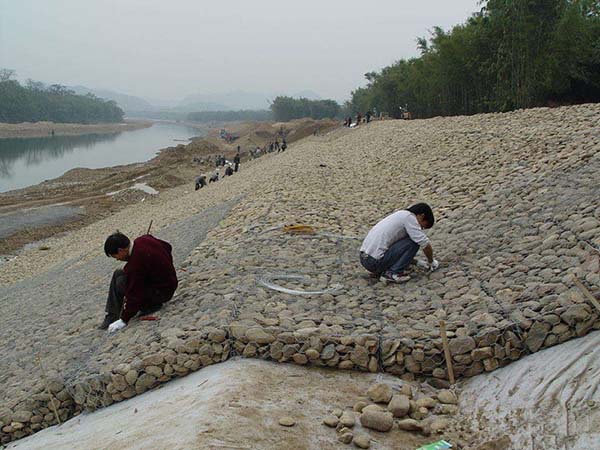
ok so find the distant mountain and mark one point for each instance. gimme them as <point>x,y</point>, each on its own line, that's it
<point>126,102</point>
<point>229,101</point>
<point>235,100</point>
<point>200,105</point>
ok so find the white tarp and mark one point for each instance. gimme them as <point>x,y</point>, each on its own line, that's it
<point>548,400</point>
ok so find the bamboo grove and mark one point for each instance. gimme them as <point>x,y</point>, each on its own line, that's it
<point>511,54</point>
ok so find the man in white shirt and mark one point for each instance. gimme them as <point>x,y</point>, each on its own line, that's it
<point>393,242</point>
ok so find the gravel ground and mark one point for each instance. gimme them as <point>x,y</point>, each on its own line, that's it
<point>35,217</point>
<point>60,325</point>
<point>515,197</point>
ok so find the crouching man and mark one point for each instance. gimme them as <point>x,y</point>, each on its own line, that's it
<point>146,282</point>
<point>394,241</point>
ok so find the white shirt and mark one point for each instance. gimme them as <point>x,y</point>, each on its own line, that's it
<point>391,229</point>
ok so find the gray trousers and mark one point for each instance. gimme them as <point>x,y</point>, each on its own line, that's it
<point>116,294</point>
<point>154,298</point>
<point>396,258</point>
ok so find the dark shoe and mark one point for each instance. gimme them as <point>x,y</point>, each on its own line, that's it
<point>107,321</point>
<point>389,277</point>
<point>150,309</point>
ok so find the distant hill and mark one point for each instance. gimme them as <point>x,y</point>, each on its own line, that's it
<point>126,102</point>
<point>228,101</point>
<point>236,100</point>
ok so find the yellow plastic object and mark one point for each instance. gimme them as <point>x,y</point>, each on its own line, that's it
<point>299,229</point>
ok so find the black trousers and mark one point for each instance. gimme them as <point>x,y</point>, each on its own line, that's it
<point>116,295</point>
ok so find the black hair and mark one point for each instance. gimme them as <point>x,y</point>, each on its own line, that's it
<point>115,242</point>
<point>423,208</point>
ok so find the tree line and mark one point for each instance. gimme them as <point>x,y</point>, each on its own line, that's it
<point>289,108</point>
<point>511,54</point>
<point>36,102</point>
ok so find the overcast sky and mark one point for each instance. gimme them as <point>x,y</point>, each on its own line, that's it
<point>169,49</point>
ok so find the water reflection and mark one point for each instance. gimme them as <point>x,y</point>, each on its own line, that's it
<point>34,151</point>
<point>28,161</point>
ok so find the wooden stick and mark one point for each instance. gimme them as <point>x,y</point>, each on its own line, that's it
<point>149,226</point>
<point>447,353</point>
<point>586,292</point>
<point>48,389</point>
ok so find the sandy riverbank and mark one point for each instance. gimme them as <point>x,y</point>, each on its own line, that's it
<point>41,129</point>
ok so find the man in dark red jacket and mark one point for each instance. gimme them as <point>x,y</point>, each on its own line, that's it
<point>146,282</point>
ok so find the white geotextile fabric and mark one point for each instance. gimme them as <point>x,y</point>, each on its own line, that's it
<point>547,400</point>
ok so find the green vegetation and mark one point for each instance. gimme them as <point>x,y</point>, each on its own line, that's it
<point>288,108</point>
<point>36,102</point>
<point>512,54</point>
<point>229,116</point>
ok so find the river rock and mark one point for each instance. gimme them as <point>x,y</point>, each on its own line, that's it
<point>380,393</point>
<point>536,336</point>
<point>259,336</point>
<point>399,405</point>
<point>376,420</point>
<point>362,440</point>
<point>575,313</point>
<point>347,419</point>
<point>461,345</point>
<point>447,397</point>
<point>346,437</point>
<point>409,425</point>
<point>287,421</point>
<point>331,421</point>
<point>359,406</point>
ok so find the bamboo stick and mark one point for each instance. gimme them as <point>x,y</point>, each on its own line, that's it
<point>586,292</point>
<point>447,353</point>
<point>48,389</point>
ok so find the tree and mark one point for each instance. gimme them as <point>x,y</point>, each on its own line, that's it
<point>6,74</point>
<point>510,54</point>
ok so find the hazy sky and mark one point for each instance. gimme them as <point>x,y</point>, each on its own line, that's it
<point>169,49</point>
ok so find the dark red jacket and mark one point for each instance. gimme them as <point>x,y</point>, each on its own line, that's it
<point>150,275</point>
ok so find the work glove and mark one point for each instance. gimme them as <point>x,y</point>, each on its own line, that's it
<point>423,264</point>
<point>116,326</point>
<point>434,265</point>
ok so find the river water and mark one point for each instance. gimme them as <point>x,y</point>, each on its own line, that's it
<point>28,161</point>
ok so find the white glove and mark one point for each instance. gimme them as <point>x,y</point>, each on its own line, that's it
<point>116,326</point>
<point>423,264</point>
<point>434,265</point>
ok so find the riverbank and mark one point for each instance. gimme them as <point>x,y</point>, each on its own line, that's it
<point>517,218</point>
<point>95,193</point>
<point>41,129</point>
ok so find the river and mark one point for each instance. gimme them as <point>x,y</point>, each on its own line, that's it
<point>29,161</point>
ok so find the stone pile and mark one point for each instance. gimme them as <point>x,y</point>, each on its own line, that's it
<point>406,407</point>
<point>515,197</point>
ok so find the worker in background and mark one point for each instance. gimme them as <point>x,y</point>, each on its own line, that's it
<point>391,245</point>
<point>200,182</point>
<point>236,160</point>
<point>146,282</point>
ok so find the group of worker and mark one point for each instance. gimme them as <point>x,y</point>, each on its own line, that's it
<point>148,279</point>
<point>220,161</point>
<point>359,119</point>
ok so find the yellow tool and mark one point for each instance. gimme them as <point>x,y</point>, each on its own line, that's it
<point>299,229</point>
